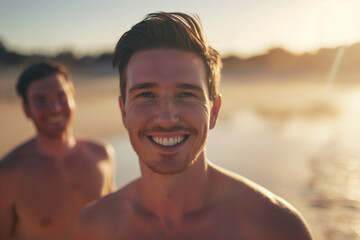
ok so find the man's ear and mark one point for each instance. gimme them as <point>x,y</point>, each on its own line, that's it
<point>26,110</point>
<point>122,110</point>
<point>214,112</point>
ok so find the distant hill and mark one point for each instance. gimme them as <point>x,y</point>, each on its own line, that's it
<point>11,58</point>
<point>280,60</point>
<point>276,60</point>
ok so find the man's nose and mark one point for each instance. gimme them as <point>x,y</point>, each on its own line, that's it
<point>54,105</point>
<point>167,112</point>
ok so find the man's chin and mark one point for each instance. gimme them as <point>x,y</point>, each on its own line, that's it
<point>53,134</point>
<point>168,169</point>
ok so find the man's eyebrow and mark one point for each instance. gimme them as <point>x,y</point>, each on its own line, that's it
<point>142,86</point>
<point>189,86</point>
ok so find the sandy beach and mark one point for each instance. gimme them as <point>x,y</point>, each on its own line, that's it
<point>276,125</point>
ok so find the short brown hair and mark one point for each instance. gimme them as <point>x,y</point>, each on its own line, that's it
<point>168,30</point>
<point>36,72</point>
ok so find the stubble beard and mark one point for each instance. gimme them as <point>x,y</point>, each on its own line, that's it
<point>168,166</point>
<point>53,134</point>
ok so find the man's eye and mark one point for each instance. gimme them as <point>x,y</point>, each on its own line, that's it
<point>40,100</point>
<point>186,94</point>
<point>146,95</point>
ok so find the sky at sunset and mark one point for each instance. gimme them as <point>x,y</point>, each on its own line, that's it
<point>241,27</point>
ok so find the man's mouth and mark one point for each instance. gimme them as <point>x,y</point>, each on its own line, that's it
<point>168,141</point>
<point>55,120</point>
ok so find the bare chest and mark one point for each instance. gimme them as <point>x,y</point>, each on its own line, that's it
<point>212,225</point>
<point>207,230</point>
<point>50,195</point>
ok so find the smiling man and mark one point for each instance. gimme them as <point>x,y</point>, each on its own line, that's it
<point>169,101</point>
<point>45,182</point>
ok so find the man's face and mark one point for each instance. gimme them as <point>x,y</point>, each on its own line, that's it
<point>167,110</point>
<point>51,105</point>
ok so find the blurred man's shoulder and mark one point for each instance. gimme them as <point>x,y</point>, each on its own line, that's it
<point>96,147</point>
<point>18,156</point>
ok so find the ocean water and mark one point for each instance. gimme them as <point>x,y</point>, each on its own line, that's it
<point>334,189</point>
<point>313,163</point>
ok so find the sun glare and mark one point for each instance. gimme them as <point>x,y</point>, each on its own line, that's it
<point>327,24</point>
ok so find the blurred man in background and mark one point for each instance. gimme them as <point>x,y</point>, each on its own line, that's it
<point>46,181</point>
<point>169,101</point>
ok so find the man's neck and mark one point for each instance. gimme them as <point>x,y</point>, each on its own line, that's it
<point>55,147</point>
<point>172,197</point>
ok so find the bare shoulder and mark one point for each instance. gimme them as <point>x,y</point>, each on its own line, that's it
<point>12,167</point>
<point>100,219</point>
<point>16,159</point>
<point>93,220</point>
<point>96,147</point>
<point>114,205</point>
<point>102,156</point>
<point>261,208</point>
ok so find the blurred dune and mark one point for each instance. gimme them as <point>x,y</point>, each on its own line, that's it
<point>279,61</point>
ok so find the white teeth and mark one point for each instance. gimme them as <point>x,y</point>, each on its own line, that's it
<point>171,141</point>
